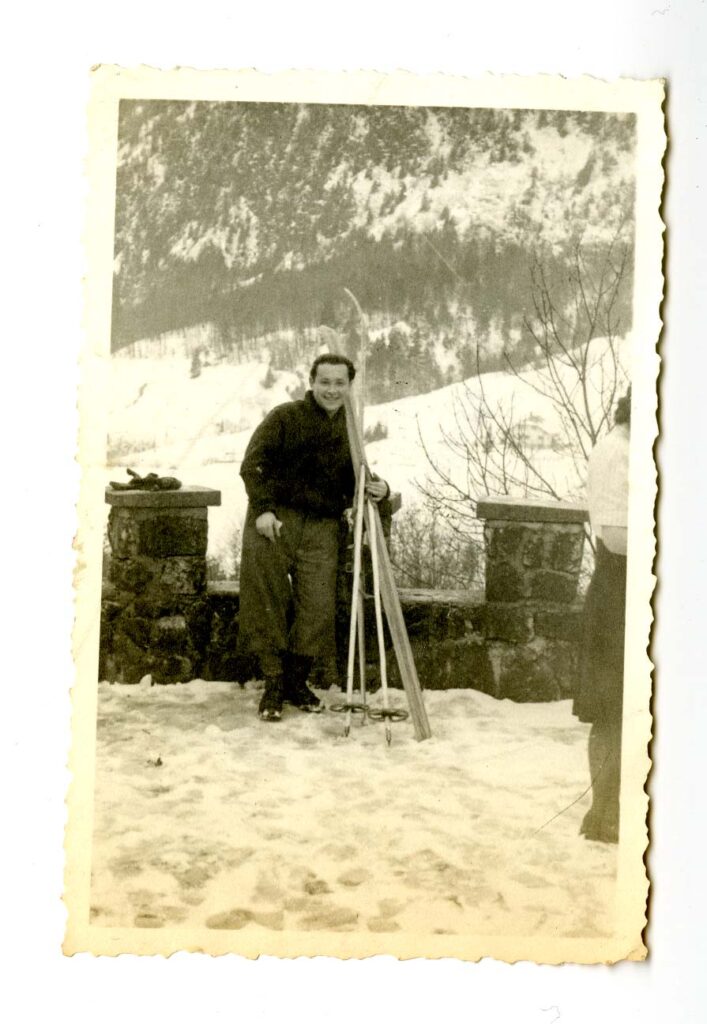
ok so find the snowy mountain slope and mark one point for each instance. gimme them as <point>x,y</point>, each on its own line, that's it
<point>251,217</point>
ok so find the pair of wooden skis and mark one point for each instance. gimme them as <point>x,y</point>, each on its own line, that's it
<point>385,592</point>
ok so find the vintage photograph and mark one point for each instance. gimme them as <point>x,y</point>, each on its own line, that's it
<point>367,533</point>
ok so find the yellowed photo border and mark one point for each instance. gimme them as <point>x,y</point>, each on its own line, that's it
<point>645,99</point>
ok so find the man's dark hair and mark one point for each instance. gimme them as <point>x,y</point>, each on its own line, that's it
<point>335,360</point>
<point>622,413</point>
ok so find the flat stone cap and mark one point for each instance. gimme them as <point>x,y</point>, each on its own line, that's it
<point>223,588</point>
<point>530,510</point>
<point>190,496</point>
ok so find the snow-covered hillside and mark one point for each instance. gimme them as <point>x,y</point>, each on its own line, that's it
<point>164,420</point>
<point>490,195</point>
<point>253,217</point>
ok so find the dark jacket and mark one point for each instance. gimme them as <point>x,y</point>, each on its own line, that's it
<point>299,458</point>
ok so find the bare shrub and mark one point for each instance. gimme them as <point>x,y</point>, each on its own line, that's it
<point>427,552</point>
<point>570,362</point>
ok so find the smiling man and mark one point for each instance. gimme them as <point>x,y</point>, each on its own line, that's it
<point>299,478</point>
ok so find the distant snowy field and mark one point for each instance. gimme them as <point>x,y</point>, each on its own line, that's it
<point>206,817</point>
<point>164,420</point>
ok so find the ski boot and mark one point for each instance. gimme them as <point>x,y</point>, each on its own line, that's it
<point>296,691</point>
<point>271,708</point>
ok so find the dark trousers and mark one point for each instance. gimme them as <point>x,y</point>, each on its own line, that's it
<point>599,697</point>
<point>288,587</point>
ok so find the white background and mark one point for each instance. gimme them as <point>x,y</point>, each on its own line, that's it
<point>47,51</point>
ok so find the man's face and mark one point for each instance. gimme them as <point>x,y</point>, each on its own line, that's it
<point>330,386</point>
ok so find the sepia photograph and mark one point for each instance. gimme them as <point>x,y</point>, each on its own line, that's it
<point>368,407</point>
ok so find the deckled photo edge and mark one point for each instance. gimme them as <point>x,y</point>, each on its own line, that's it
<point>645,99</point>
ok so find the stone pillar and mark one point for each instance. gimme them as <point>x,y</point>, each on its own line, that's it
<point>156,615</point>
<point>532,619</point>
<point>533,548</point>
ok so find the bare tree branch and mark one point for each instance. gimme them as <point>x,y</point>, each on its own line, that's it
<point>575,368</point>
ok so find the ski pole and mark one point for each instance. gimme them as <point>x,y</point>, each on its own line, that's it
<point>362,653</point>
<point>379,615</point>
<point>355,597</point>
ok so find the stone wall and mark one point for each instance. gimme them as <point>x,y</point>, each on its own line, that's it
<point>458,641</point>
<point>518,640</point>
<point>461,640</point>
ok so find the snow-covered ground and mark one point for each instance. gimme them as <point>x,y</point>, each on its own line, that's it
<point>206,817</point>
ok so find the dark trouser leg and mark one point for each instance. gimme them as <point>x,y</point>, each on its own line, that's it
<point>601,822</point>
<point>265,592</point>
<point>314,589</point>
<point>265,603</point>
<point>314,595</point>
